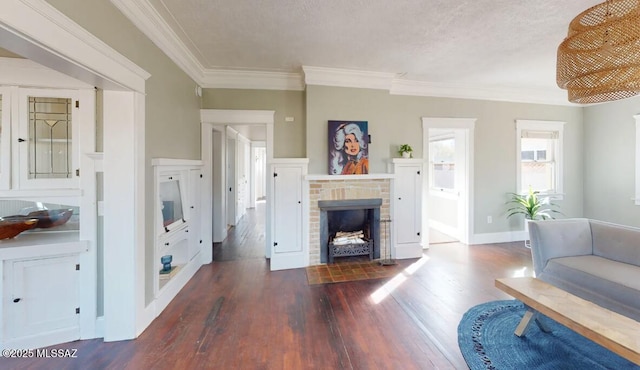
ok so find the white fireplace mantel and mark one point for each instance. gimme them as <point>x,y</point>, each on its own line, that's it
<point>373,176</point>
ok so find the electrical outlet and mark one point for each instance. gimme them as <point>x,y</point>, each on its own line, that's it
<point>489,219</point>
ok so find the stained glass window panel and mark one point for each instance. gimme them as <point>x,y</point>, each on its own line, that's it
<point>50,138</point>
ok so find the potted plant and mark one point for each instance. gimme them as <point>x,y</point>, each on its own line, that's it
<point>533,207</point>
<point>405,150</point>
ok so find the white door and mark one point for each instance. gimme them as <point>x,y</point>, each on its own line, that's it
<point>42,301</point>
<point>195,212</point>
<point>288,250</point>
<point>408,204</point>
<point>231,182</point>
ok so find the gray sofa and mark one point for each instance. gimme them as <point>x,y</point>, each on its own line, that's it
<point>595,260</point>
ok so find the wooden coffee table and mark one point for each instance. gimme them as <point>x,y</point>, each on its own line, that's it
<point>611,330</point>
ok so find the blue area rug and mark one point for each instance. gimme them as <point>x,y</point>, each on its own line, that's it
<point>487,341</point>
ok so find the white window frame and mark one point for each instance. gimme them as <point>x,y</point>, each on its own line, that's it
<point>534,125</point>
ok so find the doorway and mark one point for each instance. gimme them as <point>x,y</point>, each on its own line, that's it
<point>448,189</point>
<point>256,127</point>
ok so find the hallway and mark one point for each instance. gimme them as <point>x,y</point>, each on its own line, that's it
<point>245,240</point>
<point>236,314</point>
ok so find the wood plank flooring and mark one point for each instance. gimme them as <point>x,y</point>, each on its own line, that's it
<point>236,314</point>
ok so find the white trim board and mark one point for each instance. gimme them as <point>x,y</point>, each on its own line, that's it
<point>38,31</point>
<point>503,237</point>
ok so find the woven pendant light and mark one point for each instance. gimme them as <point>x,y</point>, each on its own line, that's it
<point>600,58</point>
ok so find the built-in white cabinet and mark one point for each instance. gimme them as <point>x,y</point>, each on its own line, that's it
<point>40,131</point>
<point>406,204</point>
<point>288,214</point>
<point>47,161</point>
<point>41,298</point>
<point>177,226</point>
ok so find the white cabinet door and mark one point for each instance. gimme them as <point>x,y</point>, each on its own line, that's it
<point>408,204</point>
<point>195,212</point>
<point>42,303</point>
<point>46,126</point>
<point>407,208</point>
<point>288,250</point>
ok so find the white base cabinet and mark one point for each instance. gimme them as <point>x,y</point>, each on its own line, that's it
<point>41,300</point>
<point>289,210</point>
<point>406,204</point>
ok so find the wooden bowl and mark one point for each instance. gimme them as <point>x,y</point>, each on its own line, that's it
<point>51,217</point>
<point>10,228</point>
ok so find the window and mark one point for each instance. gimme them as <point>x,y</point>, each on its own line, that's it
<point>442,151</point>
<point>539,145</point>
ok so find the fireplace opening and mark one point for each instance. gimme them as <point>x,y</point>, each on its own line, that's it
<point>349,228</point>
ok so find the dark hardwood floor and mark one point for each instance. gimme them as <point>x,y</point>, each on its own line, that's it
<point>236,314</point>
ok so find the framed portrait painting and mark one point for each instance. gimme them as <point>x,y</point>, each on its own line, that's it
<point>348,147</point>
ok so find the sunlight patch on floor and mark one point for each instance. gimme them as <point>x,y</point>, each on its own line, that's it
<point>385,290</point>
<point>520,272</point>
<point>411,269</point>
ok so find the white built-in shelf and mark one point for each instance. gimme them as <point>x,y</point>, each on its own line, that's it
<point>41,244</point>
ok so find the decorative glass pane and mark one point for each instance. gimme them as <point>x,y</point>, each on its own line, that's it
<point>49,138</point>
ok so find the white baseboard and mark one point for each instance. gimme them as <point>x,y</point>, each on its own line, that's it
<point>503,237</point>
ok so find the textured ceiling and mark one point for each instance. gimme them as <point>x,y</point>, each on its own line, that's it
<point>480,42</point>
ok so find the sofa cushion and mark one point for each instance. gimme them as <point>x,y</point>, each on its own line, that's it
<point>559,238</point>
<point>616,242</point>
<point>610,284</point>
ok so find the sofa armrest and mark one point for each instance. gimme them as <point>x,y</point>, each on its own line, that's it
<point>559,238</point>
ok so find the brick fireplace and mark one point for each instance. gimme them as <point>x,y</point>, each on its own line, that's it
<point>328,188</point>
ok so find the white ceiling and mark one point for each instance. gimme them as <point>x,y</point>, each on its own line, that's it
<point>498,45</point>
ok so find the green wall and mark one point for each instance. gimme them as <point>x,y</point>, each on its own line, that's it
<point>288,136</point>
<point>172,124</point>
<point>609,157</point>
<point>395,119</point>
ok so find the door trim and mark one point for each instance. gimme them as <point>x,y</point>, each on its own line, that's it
<point>217,119</point>
<point>468,125</point>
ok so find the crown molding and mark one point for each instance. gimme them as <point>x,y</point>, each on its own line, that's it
<point>234,79</point>
<point>150,22</point>
<point>147,19</point>
<point>493,93</point>
<point>347,78</point>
